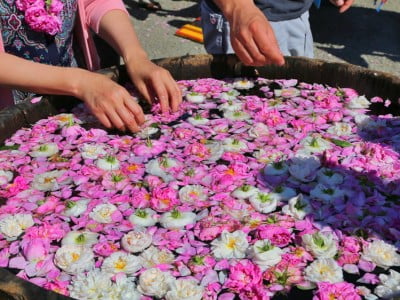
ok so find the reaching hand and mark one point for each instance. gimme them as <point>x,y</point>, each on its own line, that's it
<point>154,82</point>
<point>342,4</point>
<point>110,102</point>
<point>252,37</point>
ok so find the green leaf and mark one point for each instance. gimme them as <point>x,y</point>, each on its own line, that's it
<point>341,143</point>
<point>13,147</point>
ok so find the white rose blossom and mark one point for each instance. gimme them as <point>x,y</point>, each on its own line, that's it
<point>102,213</point>
<point>276,169</point>
<point>265,255</point>
<point>229,95</point>
<point>315,144</point>
<point>176,219</point>
<point>340,129</point>
<point>91,286</point>
<point>154,282</point>
<point>258,130</point>
<point>243,84</point>
<point>152,256</point>
<point>121,262</point>
<point>198,120</point>
<point>75,208</point>
<point>329,177</point>
<point>359,102</point>
<point>320,244</point>
<point>230,245</point>
<point>192,194</point>
<point>195,97</point>
<point>143,217</point>
<point>298,207</point>
<point>148,131</point>
<point>44,150</point>
<point>5,176</point>
<point>245,192</point>
<point>389,284</point>
<point>264,202</point>
<point>136,241</point>
<point>233,145</point>
<point>74,259</point>
<point>48,181</point>
<point>237,115</point>
<point>381,253</point>
<point>326,194</point>
<point>185,289</point>
<point>231,105</point>
<point>304,168</point>
<point>324,269</point>
<point>162,167</point>
<point>108,163</point>
<point>92,151</point>
<point>12,226</point>
<point>216,150</point>
<point>284,193</point>
<point>125,289</point>
<point>80,238</point>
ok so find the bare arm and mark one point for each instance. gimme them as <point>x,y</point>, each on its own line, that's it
<point>252,36</point>
<point>39,78</point>
<point>151,81</point>
<point>104,97</point>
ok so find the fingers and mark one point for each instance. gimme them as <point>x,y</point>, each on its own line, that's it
<point>159,85</point>
<point>346,6</point>
<point>257,46</point>
<point>174,94</point>
<point>268,46</point>
<point>337,3</point>
<point>116,120</point>
<point>136,110</point>
<point>104,120</point>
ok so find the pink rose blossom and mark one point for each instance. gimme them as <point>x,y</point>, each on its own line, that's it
<point>243,276</point>
<point>339,291</point>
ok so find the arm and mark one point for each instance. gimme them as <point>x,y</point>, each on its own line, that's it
<point>151,80</point>
<point>252,36</point>
<point>103,96</point>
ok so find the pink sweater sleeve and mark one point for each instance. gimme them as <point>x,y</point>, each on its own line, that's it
<point>96,9</point>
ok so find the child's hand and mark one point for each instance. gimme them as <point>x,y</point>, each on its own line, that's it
<point>342,4</point>
<point>252,36</point>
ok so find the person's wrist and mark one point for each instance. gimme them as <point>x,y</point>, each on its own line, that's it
<point>133,57</point>
<point>77,79</point>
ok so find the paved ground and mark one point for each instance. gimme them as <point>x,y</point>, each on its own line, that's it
<point>361,36</point>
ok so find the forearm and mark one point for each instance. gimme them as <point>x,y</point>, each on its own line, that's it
<point>26,75</point>
<point>117,30</point>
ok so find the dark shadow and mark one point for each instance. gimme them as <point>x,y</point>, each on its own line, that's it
<point>141,13</point>
<point>357,32</point>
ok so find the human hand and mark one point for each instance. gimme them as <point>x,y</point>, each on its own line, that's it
<point>252,37</point>
<point>155,83</point>
<point>342,4</point>
<point>109,102</point>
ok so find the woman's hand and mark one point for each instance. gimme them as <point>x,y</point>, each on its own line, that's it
<point>110,102</point>
<point>154,83</point>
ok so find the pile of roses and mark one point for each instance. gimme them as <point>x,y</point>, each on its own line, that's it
<point>255,189</point>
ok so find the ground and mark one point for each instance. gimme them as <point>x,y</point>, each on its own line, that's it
<point>361,36</point>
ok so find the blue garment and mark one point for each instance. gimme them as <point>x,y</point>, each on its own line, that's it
<point>20,40</point>
<point>276,10</point>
